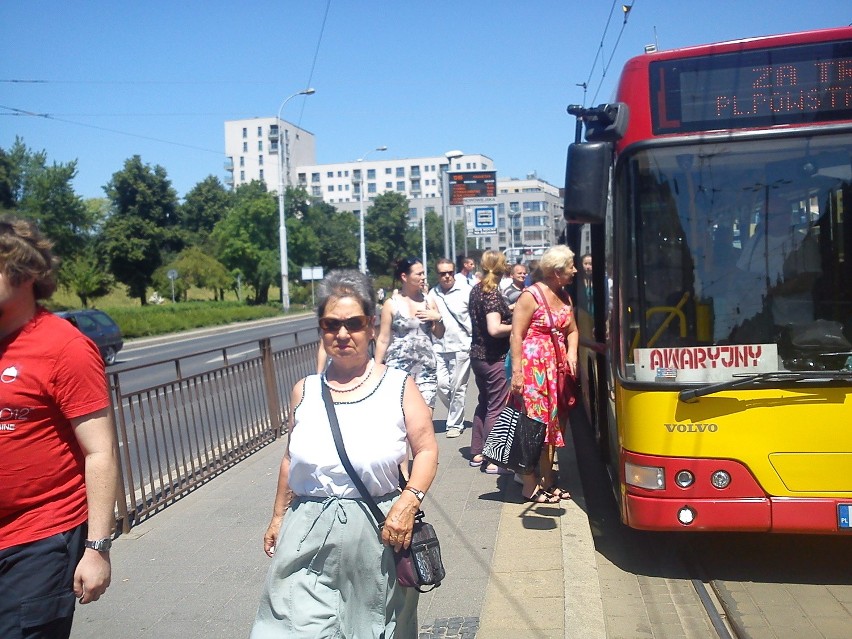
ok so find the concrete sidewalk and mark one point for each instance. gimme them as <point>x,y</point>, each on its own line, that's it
<point>515,570</point>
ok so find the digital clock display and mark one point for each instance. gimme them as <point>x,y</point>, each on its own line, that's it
<point>795,84</point>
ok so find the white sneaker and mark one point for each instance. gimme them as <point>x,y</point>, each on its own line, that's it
<point>453,432</point>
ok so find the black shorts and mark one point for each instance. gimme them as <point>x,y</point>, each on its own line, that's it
<point>37,582</point>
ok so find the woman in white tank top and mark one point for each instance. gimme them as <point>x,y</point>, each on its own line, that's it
<point>333,572</point>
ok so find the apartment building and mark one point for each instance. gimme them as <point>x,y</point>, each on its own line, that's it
<point>419,179</point>
<point>528,210</point>
<point>529,218</point>
<point>252,145</point>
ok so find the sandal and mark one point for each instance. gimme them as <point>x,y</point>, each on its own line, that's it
<point>557,492</point>
<point>493,469</point>
<point>541,496</point>
<point>476,463</point>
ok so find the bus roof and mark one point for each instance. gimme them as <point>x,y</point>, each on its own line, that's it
<point>634,86</point>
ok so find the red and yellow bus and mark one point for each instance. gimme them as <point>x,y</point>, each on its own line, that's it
<point>717,349</point>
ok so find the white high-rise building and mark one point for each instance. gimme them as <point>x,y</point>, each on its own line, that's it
<point>251,147</point>
<point>529,218</point>
<point>529,210</point>
<point>418,179</point>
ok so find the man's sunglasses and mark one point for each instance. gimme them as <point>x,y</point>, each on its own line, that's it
<point>443,273</point>
<point>352,324</point>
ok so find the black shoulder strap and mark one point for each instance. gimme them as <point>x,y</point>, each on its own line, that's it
<point>344,458</point>
<point>450,311</point>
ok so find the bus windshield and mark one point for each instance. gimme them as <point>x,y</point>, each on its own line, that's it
<point>736,258</point>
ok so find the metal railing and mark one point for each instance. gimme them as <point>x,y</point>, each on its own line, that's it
<point>176,434</point>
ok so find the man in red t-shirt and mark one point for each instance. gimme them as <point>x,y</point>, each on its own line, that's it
<point>58,452</point>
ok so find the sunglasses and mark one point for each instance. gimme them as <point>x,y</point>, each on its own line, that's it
<point>352,324</point>
<point>443,273</point>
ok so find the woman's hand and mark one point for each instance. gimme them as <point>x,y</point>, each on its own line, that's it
<point>572,365</point>
<point>399,523</point>
<point>517,381</point>
<point>428,315</point>
<point>270,538</point>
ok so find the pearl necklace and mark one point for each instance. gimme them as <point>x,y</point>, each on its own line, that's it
<point>357,386</point>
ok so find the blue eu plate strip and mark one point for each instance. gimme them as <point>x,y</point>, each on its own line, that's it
<point>844,515</point>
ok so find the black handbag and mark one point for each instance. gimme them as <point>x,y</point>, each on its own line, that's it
<point>418,565</point>
<point>515,441</point>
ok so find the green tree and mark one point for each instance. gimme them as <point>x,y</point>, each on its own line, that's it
<point>434,241</point>
<point>86,277</point>
<point>337,234</point>
<point>45,195</point>
<point>7,183</point>
<point>247,238</point>
<point>60,213</point>
<point>204,205</point>
<point>195,268</point>
<point>386,232</point>
<point>139,229</point>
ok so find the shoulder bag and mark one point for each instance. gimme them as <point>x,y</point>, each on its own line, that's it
<point>515,440</point>
<point>418,565</point>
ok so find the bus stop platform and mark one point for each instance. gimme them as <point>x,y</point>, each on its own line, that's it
<point>514,569</point>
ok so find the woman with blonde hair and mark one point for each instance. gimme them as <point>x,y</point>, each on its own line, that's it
<point>544,341</point>
<point>491,320</point>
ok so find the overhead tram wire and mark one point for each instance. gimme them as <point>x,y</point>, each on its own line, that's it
<point>585,85</point>
<point>48,116</point>
<point>598,53</point>
<point>314,62</point>
<point>626,9</point>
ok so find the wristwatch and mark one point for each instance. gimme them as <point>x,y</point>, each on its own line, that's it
<point>101,545</point>
<point>417,493</point>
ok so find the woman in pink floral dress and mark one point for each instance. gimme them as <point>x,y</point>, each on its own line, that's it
<point>544,337</point>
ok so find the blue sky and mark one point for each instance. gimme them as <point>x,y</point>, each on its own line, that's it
<point>158,79</point>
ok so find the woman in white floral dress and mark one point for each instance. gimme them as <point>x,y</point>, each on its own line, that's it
<point>408,325</point>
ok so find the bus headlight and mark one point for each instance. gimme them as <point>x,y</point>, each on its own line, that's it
<point>684,479</point>
<point>649,477</point>
<point>720,479</point>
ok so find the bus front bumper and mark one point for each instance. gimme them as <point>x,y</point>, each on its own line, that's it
<point>768,514</point>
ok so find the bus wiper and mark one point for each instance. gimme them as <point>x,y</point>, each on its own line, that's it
<point>690,395</point>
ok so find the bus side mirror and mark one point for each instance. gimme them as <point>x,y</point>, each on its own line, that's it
<point>587,182</point>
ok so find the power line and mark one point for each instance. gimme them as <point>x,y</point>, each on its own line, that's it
<point>600,49</point>
<point>134,82</point>
<point>314,62</point>
<point>626,10</point>
<point>125,115</point>
<point>48,116</point>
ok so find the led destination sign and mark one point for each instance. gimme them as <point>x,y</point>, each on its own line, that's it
<point>791,85</point>
<point>469,184</point>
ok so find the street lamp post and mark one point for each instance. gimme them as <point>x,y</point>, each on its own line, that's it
<point>445,197</point>
<point>284,170</point>
<point>362,257</point>
<point>423,241</point>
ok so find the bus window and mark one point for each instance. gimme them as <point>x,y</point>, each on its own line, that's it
<point>738,244</point>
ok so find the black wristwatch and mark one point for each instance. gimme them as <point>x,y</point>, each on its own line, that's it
<point>101,545</point>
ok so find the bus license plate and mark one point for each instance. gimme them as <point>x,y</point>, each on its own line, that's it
<point>844,515</point>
